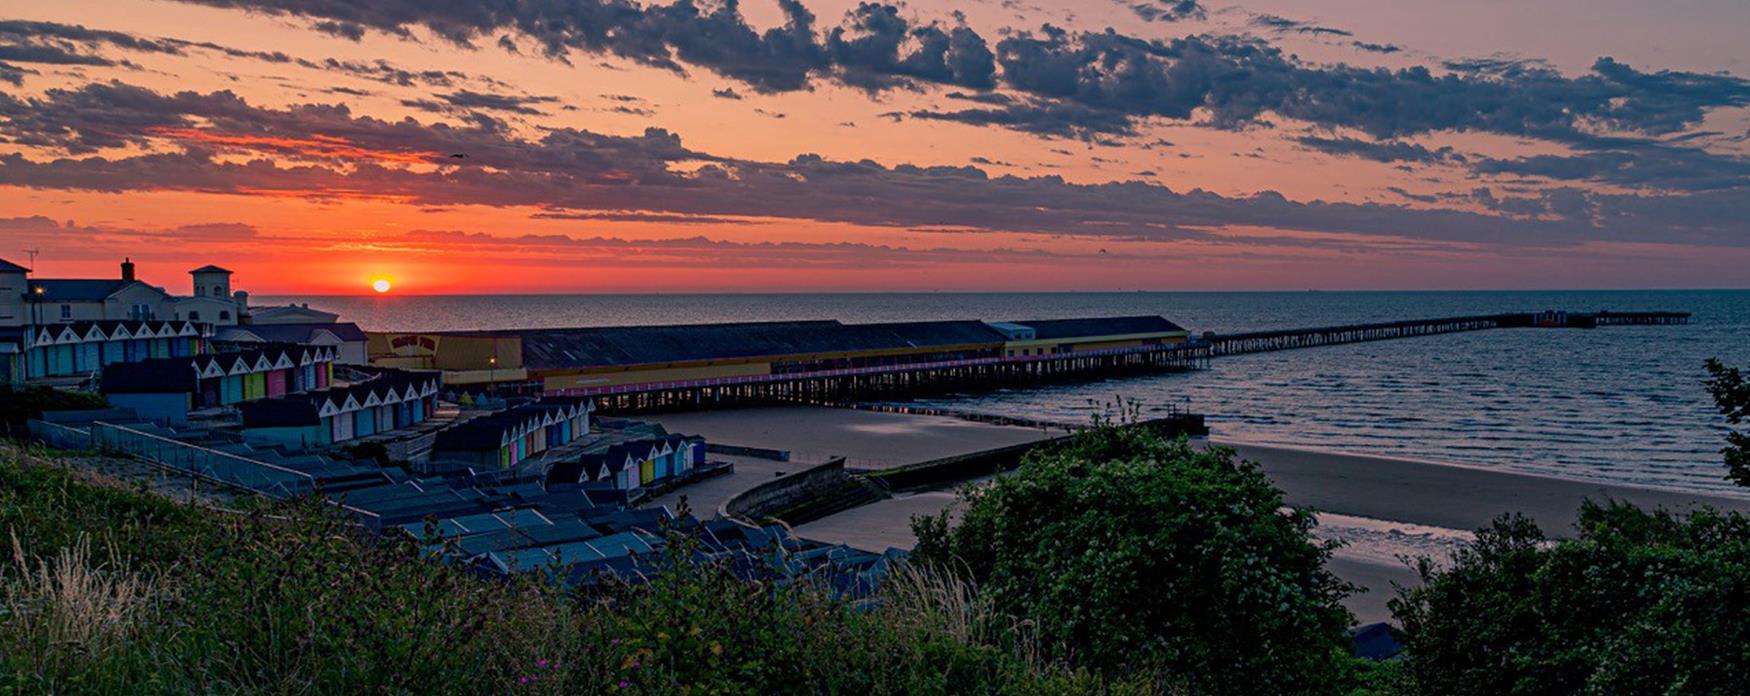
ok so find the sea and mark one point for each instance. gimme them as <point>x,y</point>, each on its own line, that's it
<point>1613,404</point>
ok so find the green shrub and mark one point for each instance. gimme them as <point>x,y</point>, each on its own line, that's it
<point>18,405</point>
<point>1639,603</point>
<point>1133,554</point>
<point>1731,393</point>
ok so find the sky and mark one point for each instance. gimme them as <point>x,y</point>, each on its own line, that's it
<point>538,146</point>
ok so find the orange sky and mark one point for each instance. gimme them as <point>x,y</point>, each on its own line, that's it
<point>315,163</point>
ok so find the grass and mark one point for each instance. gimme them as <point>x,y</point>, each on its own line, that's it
<point>112,590</point>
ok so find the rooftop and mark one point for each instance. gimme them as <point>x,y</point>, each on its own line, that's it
<point>209,268</point>
<point>10,267</point>
<point>1100,326</point>
<point>290,333</point>
<point>637,345</point>
<point>76,289</point>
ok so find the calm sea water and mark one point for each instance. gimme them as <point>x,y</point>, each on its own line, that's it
<point>1621,404</point>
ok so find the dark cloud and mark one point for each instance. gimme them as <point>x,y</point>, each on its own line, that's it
<point>664,218</point>
<point>217,143</point>
<point>1413,196</point>
<point>466,100</point>
<point>1283,25</point>
<point>868,51</point>
<point>14,74</point>
<point>726,93</point>
<point>1634,165</point>
<point>68,44</point>
<point>1168,10</point>
<point>1382,151</point>
<point>1236,80</point>
<point>1040,117</point>
<point>1376,47</point>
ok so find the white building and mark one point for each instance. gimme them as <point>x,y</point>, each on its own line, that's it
<point>26,301</point>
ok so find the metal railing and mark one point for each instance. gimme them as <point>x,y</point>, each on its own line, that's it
<point>209,464</point>
<point>59,436</point>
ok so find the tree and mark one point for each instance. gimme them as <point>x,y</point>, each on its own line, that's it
<point>1731,392</point>
<point>1130,553</point>
<point>1639,603</point>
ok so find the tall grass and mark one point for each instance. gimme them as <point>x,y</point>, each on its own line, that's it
<point>69,610</point>
<point>293,600</point>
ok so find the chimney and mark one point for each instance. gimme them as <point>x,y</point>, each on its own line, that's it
<point>127,269</point>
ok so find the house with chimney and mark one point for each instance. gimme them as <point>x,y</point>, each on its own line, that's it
<point>72,327</point>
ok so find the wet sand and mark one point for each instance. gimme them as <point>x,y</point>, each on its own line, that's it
<point>1381,506</point>
<point>1445,495</point>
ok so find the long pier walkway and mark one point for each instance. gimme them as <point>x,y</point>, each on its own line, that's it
<point>1287,339</point>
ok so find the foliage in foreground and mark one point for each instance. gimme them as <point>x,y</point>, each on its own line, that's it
<point>19,404</point>
<point>109,590</point>
<point>1731,392</point>
<point>1133,554</point>
<point>1639,603</point>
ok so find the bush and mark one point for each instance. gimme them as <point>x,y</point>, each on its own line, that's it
<point>1731,393</point>
<point>293,599</point>
<point>1130,553</point>
<point>20,405</point>
<point>1640,603</point>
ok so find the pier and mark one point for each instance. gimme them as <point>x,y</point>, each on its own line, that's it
<point>641,369</point>
<point>1288,339</point>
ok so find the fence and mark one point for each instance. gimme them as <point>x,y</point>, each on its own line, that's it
<point>208,464</point>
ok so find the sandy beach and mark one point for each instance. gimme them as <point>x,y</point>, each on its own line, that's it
<point>1381,507</point>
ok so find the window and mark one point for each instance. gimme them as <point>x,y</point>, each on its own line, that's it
<point>66,311</point>
<point>224,315</point>
<point>218,291</point>
<point>199,291</point>
<point>194,316</point>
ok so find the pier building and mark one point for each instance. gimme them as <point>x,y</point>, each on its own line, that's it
<point>791,360</point>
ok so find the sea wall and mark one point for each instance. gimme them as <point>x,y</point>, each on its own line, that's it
<point>938,473</point>
<point>758,503</point>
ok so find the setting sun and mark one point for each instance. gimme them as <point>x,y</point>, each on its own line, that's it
<point>380,285</point>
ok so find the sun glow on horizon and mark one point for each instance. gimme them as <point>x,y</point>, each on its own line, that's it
<point>381,285</point>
